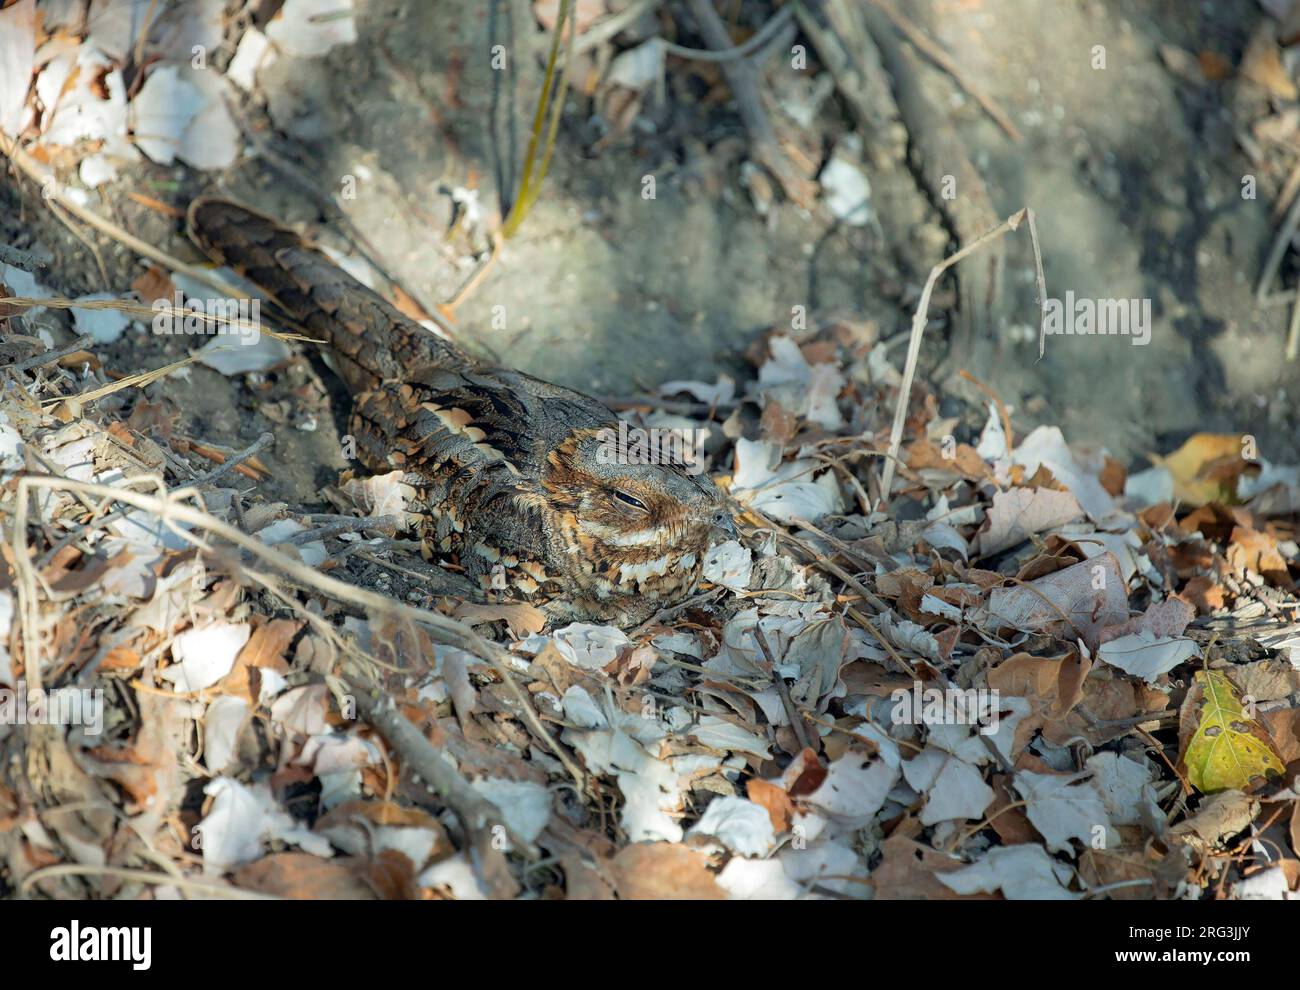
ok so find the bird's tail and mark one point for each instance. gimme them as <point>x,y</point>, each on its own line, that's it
<point>373,342</point>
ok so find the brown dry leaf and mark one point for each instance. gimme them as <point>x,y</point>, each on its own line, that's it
<point>1267,680</point>
<point>6,309</point>
<point>1113,476</point>
<point>556,675</point>
<point>777,802</point>
<point>481,759</point>
<point>1214,520</point>
<point>157,419</point>
<point>65,577</point>
<point>804,774</point>
<point>1215,66</point>
<point>1222,815</point>
<point>1078,600</point>
<point>1251,550</point>
<point>1051,686</point>
<point>1262,64</point>
<point>778,424</point>
<point>866,677</point>
<point>154,284</point>
<point>582,882</point>
<point>1013,827</point>
<point>148,767</point>
<point>906,873</point>
<point>1204,593</point>
<point>1110,697</point>
<point>965,461</point>
<point>398,642</point>
<point>120,659</point>
<point>1163,619</point>
<point>632,667</point>
<point>1100,868</point>
<point>1019,513</point>
<point>301,876</point>
<point>663,871</point>
<point>266,649</point>
<point>522,618</point>
<point>1283,727</point>
<point>351,827</point>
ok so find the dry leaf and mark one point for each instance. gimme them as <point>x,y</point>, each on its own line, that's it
<point>1222,745</point>
<point>663,870</point>
<point>522,618</point>
<point>1205,468</point>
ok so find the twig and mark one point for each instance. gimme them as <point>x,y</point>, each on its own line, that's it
<point>796,720</point>
<point>209,888</point>
<point>143,38</point>
<point>349,524</point>
<point>664,614</point>
<point>482,820</point>
<point>476,279</point>
<point>749,102</point>
<point>20,258</point>
<point>1293,333</point>
<point>252,450</point>
<point>49,357</point>
<point>1040,283</point>
<point>760,39</point>
<point>918,330</point>
<point>1277,251</point>
<point>847,50</point>
<point>90,245</point>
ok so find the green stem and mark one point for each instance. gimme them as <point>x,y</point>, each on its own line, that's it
<point>547,101</point>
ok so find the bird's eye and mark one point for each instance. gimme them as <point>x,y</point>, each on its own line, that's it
<point>627,499</point>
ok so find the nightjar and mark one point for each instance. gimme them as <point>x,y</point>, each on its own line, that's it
<point>513,475</point>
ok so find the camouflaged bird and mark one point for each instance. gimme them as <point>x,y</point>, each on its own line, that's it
<point>512,474</point>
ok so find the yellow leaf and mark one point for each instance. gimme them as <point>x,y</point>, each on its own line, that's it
<point>1206,468</point>
<point>1229,749</point>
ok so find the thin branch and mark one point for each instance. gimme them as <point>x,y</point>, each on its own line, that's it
<point>918,331</point>
<point>249,452</point>
<point>49,357</point>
